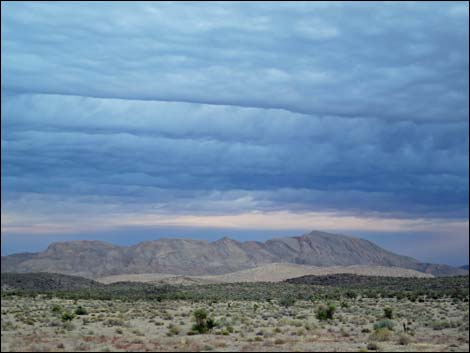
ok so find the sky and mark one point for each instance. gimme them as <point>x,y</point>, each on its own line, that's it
<point>129,121</point>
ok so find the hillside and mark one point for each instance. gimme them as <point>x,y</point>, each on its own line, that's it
<point>74,287</point>
<point>190,257</point>
<point>352,281</point>
<point>45,282</point>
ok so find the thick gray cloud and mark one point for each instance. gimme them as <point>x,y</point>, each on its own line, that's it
<point>220,108</point>
<point>143,152</point>
<point>406,61</point>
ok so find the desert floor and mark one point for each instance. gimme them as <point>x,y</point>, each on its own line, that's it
<point>37,324</point>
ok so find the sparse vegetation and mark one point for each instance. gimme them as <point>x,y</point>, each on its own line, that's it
<point>249,316</point>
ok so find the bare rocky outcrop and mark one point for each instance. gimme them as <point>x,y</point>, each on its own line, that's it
<point>199,257</point>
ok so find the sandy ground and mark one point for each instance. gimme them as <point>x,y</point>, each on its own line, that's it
<point>29,324</point>
<point>268,273</point>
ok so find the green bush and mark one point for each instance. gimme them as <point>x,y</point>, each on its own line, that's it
<point>388,313</point>
<point>66,316</point>
<point>203,323</point>
<point>56,309</point>
<point>81,311</point>
<point>325,312</point>
<point>174,330</point>
<point>287,301</point>
<point>68,326</point>
<point>388,324</point>
<point>381,335</point>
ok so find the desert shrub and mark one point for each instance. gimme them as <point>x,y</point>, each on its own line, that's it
<point>404,340</point>
<point>138,332</point>
<point>29,321</point>
<point>66,316</point>
<point>223,332</point>
<point>343,332</point>
<point>68,326</point>
<point>441,325</point>
<point>309,326</point>
<point>372,346</point>
<point>114,322</point>
<point>351,295</point>
<point>174,329</point>
<point>344,304</point>
<point>388,324</point>
<point>388,313</point>
<point>325,312</point>
<point>81,311</point>
<point>8,326</point>
<point>287,301</point>
<point>381,335</point>
<point>203,323</point>
<point>56,309</point>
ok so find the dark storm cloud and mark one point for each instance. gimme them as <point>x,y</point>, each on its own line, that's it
<point>222,108</point>
<point>143,152</point>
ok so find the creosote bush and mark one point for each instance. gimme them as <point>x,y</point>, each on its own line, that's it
<point>388,313</point>
<point>381,335</point>
<point>388,324</point>
<point>404,339</point>
<point>287,301</point>
<point>66,316</point>
<point>81,311</point>
<point>203,323</point>
<point>325,312</point>
<point>56,309</point>
<point>372,346</point>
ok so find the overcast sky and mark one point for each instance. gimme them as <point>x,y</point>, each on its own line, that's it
<point>120,119</point>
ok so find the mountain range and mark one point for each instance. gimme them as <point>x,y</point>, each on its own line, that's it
<point>95,259</point>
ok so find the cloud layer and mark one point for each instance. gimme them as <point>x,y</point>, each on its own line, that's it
<point>405,61</point>
<point>217,110</point>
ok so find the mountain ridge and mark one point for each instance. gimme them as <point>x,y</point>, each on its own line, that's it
<point>183,256</point>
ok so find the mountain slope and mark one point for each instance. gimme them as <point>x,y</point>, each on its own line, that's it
<point>45,282</point>
<point>199,257</point>
<point>324,249</point>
